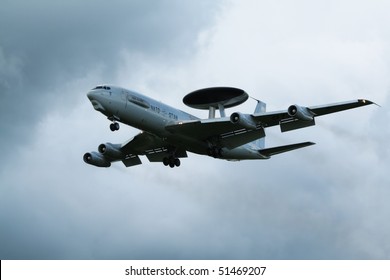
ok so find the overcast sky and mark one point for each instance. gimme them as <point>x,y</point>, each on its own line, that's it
<point>328,201</point>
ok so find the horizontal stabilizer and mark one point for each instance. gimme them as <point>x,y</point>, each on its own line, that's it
<point>282,149</point>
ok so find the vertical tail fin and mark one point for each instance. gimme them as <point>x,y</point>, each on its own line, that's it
<point>260,108</point>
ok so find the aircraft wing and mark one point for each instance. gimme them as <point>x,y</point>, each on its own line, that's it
<point>306,113</point>
<point>153,147</point>
<point>244,128</point>
<point>337,107</point>
<point>228,134</point>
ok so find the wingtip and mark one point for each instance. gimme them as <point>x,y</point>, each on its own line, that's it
<point>367,102</point>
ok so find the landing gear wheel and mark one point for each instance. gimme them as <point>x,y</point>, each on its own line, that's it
<point>177,162</point>
<point>171,161</point>
<point>114,126</point>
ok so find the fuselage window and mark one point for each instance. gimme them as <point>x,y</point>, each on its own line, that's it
<point>102,87</point>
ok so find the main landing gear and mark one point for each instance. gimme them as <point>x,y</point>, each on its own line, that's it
<point>171,161</point>
<point>114,126</point>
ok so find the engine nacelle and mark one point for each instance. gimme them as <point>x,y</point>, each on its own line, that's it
<point>243,120</point>
<point>301,113</point>
<point>96,159</point>
<point>111,150</point>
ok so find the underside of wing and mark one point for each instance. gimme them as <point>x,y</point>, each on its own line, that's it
<point>153,147</point>
<point>296,117</point>
<point>221,131</point>
<point>337,107</point>
<point>202,129</point>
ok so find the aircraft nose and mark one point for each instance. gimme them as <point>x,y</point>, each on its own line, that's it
<point>96,101</point>
<point>91,95</point>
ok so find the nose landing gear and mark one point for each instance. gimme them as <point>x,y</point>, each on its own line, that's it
<point>114,126</point>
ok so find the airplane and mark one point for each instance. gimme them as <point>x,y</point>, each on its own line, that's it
<point>167,133</point>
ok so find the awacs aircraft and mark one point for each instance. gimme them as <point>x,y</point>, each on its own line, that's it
<point>167,134</point>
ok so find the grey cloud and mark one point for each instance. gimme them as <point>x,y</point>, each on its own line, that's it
<point>50,53</point>
<point>264,209</point>
<point>45,45</point>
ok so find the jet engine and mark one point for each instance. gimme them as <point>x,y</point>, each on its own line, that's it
<point>243,120</point>
<point>301,113</point>
<point>110,150</point>
<point>96,159</point>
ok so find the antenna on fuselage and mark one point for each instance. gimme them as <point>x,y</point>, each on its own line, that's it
<point>260,106</point>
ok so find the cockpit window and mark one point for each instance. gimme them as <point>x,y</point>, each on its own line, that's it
<point>102,87</point>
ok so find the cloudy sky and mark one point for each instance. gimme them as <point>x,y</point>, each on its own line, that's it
<point>328,201</point>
